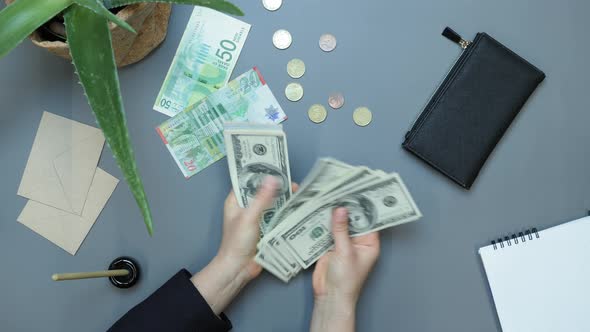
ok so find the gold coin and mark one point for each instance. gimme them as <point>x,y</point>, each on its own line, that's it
<point>296,68</point>
<point>362,116</point>
<point>317,113</point>
<point>294,91</point>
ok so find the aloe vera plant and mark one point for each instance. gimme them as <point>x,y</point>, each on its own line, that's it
<point>89,40</point>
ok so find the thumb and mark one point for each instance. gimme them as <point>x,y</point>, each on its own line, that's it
<point>342,240</point>
<point>264,199</point>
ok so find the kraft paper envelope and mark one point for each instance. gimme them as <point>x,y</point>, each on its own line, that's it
<point>62,163</point>
<point>64,229</point>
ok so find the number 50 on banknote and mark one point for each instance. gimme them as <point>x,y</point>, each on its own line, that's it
<point>204,60</point>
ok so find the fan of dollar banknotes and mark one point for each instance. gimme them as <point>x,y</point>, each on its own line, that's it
<point>296,231</point>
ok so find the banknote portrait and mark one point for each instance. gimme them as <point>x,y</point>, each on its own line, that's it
<point>252,175</point>
<point>362,213</point>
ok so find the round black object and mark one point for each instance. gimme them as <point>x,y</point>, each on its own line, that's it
<point>128,264</point>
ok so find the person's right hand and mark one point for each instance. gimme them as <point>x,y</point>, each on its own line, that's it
<point>340,274</point>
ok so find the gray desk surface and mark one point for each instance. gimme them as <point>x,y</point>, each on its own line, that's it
<point>390,57</point>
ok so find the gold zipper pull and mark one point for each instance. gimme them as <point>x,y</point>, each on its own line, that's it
<point>456,38</point>
<point>464,43</point>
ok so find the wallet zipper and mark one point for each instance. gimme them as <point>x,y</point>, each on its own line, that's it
<point>451,35</point>
<point>465,46</point>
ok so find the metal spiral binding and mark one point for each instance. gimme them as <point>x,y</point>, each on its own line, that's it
<point>508,241</point>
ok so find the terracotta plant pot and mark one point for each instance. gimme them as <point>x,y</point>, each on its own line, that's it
<point>150,20</point>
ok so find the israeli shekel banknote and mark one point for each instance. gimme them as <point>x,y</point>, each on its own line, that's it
<point>204,60</point>
<point>301,230</point>
<point>194,137</point>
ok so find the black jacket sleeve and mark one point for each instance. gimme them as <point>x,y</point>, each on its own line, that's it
<point>177,306</point>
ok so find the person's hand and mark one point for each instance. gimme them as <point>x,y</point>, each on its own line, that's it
<point>234,266</point>
<point>340,274</point>
<point>241,228</point>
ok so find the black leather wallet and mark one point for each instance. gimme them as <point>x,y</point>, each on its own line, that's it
<point>472,108</point>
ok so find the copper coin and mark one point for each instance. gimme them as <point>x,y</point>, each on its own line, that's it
<point>336,100</point>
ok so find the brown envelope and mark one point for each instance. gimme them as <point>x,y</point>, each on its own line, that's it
<point>62,163</point>
<point>64,229</point>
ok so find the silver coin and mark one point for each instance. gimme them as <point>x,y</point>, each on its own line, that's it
<point>294,91</point>
<point>327,42</point>
<point>282,39</point>
<point>296,68</point>
<point>362,116</point>
<point>272,5</point>
<point>336,100</point>
<point>317,113</point>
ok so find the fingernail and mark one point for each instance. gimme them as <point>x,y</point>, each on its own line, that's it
<point>270,182</point>
<point>341,212</point>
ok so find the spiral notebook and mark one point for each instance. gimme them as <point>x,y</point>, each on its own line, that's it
<point>540,280</point>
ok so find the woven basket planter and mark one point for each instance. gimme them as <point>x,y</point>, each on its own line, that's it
<point>150,20</point>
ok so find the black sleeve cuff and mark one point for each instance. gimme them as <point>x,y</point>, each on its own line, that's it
<point>176,306</point>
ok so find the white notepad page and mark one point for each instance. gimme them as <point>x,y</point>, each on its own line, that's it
<point>543,285</point>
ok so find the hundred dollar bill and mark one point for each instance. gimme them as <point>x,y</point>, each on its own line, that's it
<point>333,184</point>
<point>194,137</point>
<point>204,60</point>
<point>255,151</point>
<point>361,177</point>
<point>332,179</point>
<point>375,200</point>
<point>267,261</point>
<point>373,207</point>
<point>323,173</point>
<point>274,245</point>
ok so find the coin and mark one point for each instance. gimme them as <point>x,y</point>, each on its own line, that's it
<point>272,5</point>
<point>336,100</point>
<point>296,68</point>
<point>282,39</point>
<point>327,42</point>
<point>317,113</point>
<point>362,116</point>
<point>294,91</point>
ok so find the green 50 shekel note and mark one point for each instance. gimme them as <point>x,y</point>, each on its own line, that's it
<point>204,60</point>
<point>194,137</point>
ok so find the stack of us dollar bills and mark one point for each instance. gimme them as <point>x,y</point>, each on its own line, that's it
<point>296,231</point>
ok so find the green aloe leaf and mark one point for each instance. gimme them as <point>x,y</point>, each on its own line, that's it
<point>97,7</point>
<point>220,5</point>
<point>89,39</point>
<point>22,17</point>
